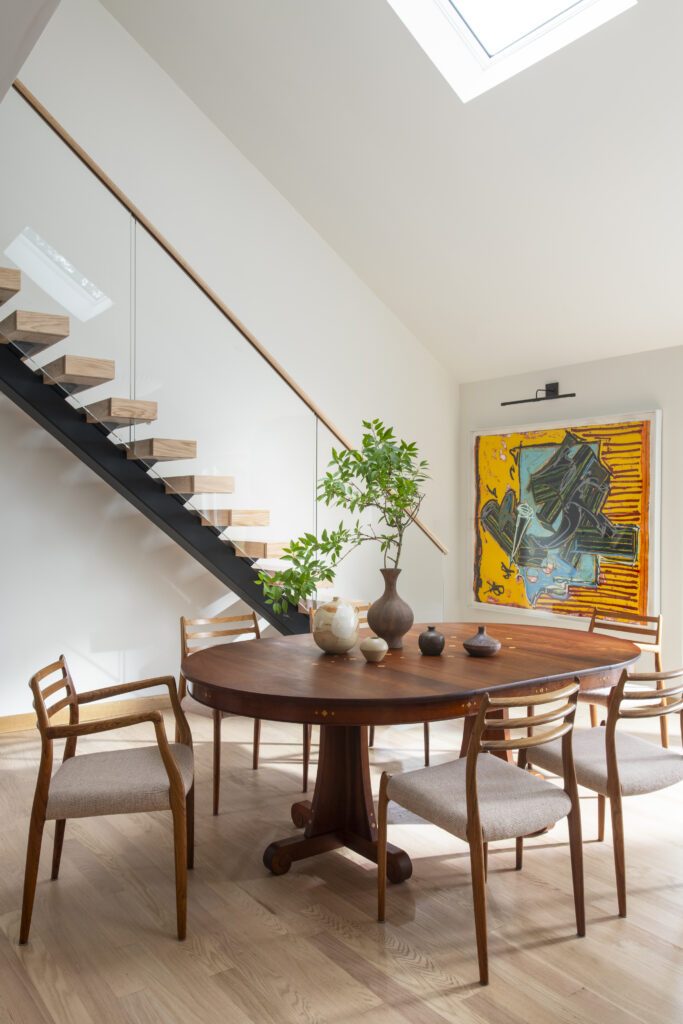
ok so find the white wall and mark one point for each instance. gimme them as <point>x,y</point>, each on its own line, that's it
<point>343,346</point>
<point>635,383</point>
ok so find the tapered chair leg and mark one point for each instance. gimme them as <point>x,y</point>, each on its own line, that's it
<point>601,817</point>
<point>35,839</point>
<point>382,846</point>
<point>189,813</point>
<point>257,743</point>
<point>426,735</point>
<point>519,852</point>
<point>486,862</point>
<point>60,825</point>
<point>619,855</point>
<point>307,736</point>
<point>663,721</point>
<point>180,856</point>
<point>576,852</point>
<point>217,719</point>
<point>477,864</point>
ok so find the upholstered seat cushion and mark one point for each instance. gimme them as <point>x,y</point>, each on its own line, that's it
<point>643,767</point>
<point>116,782</point>
<point>512,802</point>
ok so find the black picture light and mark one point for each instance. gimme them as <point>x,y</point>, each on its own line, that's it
<point>549,391</point>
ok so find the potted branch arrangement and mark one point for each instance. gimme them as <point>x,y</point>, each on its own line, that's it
<point>380,483</point>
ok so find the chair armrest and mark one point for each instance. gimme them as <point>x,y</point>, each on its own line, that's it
<point>58,732</point>
<point>119,688</point>
<point>183,730</point>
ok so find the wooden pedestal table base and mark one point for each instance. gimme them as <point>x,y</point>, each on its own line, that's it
<point>342,811</point>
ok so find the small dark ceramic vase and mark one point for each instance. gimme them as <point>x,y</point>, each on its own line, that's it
<point>390,617</point>
<point>431,641</point>
<point>482,645</point>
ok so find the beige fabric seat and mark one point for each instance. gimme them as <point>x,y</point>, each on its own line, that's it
<point>643,767</point>
<point>116,782</point>
<point>511,802</point>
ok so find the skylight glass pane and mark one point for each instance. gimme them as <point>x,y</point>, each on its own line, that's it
<point>497,24</point>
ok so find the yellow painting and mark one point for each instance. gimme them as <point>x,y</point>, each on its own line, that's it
<point>562,517</point>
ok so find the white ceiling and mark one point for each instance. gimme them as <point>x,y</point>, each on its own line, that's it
<point>540,224</point>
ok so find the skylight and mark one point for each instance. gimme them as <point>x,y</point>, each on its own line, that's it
<point>477,44</point>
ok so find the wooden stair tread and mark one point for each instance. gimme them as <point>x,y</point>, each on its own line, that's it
<point>162,449</point>
<point>259,548</point>
<point>33,331</point>
<point>224,517</point>
<point>200,485</point>
<point>10,283</point>
<point>121,412</point>
<point>76,373</point>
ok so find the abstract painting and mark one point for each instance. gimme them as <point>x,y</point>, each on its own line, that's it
<point>564,516</point>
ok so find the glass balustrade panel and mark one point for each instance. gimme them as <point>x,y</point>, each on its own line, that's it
<point>216,392</point>
<point>71,241</point>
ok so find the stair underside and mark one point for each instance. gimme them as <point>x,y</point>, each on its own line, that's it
<point>189,485</point>
<point>162,449</point>
<point>93,446</point>
<point>76,373</point>
<point>121,412</point>
<point>224,517</point>
<point>33,332</point>
<point>10,283</point>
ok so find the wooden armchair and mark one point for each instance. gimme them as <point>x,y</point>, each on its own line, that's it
<point>480,799</point>
<point>617,764</point>
<point>112,782</point>
<point>645,631</point>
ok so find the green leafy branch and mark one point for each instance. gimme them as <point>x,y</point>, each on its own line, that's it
<point>382,480</point>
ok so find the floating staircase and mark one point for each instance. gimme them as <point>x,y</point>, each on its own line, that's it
<point>86,432</point>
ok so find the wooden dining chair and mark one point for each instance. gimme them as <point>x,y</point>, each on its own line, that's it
<point>484,798</point>
<point>618,764</point>
<point>645,631</point>
<point>197,634</point>
<point>153,778</point>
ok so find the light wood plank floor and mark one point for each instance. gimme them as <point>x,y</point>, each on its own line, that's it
<point>306,947</point>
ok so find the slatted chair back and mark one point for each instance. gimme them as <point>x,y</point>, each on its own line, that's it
<point>663,697</point>
<point>62,684</point>
<point>196,634</point>
<point>547,717</point>
<point>645,631</point>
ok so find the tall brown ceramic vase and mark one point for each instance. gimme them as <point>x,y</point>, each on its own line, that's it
<point>390,617</point>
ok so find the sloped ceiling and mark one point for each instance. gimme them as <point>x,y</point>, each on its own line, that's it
<point>539,224</point>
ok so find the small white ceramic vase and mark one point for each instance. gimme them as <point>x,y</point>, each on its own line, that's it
<point>373,648</point>
<point>335,626</point>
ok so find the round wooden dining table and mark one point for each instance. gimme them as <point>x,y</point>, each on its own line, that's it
<point>289,679</point>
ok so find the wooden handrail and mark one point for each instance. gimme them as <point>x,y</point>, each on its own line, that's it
<point>210,294</point>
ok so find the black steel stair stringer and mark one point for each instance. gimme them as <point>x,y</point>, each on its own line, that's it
<point>46,405</point>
